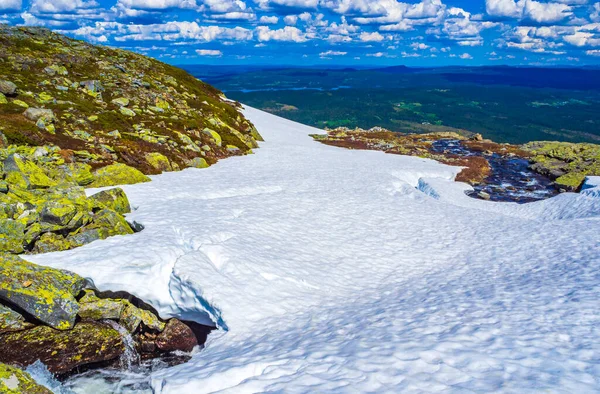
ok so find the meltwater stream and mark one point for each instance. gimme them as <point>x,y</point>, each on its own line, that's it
<point>511,179</point>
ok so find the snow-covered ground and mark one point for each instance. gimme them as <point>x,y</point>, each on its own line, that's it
<point>332,270</point>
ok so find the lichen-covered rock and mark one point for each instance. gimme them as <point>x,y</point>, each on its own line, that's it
<point>133,316</point>
<point>45,293</point>
<point>105,223</point>
<point>7,87</point>
<point>198,162</point>
<point>25,173</point>
<point>176,336</point>
<point>114,199</point>
<point>12,236</point>
<point>11,320</point>
<point>3,99</point>
<point>51,242</point>
<point>16,381</point>
<point>94,308</point>
<point>62,351</point>
<point>118,174</point>
<point>214,135</point>
<point>121,101</point>
<point>36,114</point>
<point>567,163</point>
<point>159,161</point>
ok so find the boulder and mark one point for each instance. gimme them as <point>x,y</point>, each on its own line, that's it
<point>214,135</point>
<point>176,336</point>
<point>8,88</point>
<point>101,309</point>
<point>3,99</point>
<point>45,293</point>
<point>118,174</point>
<point>15,381</point>
<point>36,114</point>
<point>25,173</point>
<point>105,223</point>
<point>58,213</point>
<point>121,101</point>
<point>11,320</point>
<point>114,199</point>
<point>133,316</point>
<point>12,236</point>
<point>51,242</point>
<point>198,162</point>
<point>127,112</point>
<point>62,351</point>
<point>158,161</point>
<point>92,85</point>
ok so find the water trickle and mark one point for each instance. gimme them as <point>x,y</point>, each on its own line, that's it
<point>510,180</point>
<point>130,358</point>
<point>39,372</point>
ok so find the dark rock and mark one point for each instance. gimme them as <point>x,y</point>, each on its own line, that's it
<point>176,336</point>
<point>62,351</point>
<point>11,320</point>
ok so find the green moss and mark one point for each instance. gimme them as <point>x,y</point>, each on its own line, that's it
<point>118,174</point>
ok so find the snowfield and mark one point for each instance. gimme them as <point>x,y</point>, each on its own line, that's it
<point>332,270</point>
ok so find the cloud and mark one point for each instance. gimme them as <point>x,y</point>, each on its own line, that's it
<point>11,5</point>
<point>466,56</point>
<point>288,33</point>
<point>290,20</point>
<point>530,10</point>
<point>332,53</point>
<point>209,52</point>
<point>154,4</point>
<point>593,52</point>
<point>268,19</point>
<point>374,36</point>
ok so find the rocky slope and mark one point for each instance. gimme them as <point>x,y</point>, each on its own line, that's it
<point>74,115</point>
<point>102,105</point>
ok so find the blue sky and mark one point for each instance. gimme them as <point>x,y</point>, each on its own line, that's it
<point>328,32</point>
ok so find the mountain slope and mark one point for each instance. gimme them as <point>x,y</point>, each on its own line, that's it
<point>337,270</point>
<point>103,105</point>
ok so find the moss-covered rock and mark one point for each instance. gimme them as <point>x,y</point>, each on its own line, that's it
<point>45,293</point>
<point>12,236</point>
<point>118,174</point>
<point>25,173</point>
<point>51,242</point>
<point>62,351</point>
<point>114,199</point>
<point>159,161</point>
<point>105,223</point>
<point>94,308</point>
<point>567,163</point>
<point>16,381</point>
<point>198,162</point>
<point>132,317</point>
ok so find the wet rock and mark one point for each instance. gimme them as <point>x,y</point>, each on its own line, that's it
<point>114,199</point>
<point>8,88</point>
<point>133,316</point>
<point>118,174</point>
<point>176,336</point>
<point>15,381</point>
<point>94,308</point>
<point>12,321</point>
<point>45,293</point>
<point>62,351</point>
<point>483,195</point>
